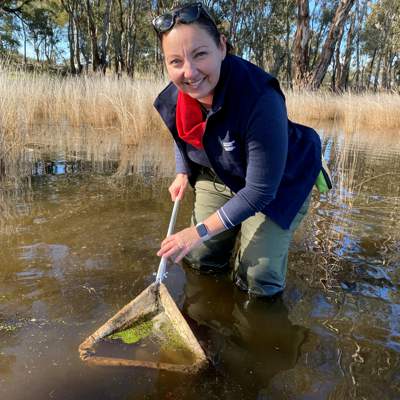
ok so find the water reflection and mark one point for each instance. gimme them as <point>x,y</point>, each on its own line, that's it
<point>57,167</point>
<point>254,334</point>
<point>78,241</point>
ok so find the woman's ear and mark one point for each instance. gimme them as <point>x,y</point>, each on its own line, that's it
<point>222,45</point>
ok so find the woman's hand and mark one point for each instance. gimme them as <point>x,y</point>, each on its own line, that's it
<point>178,245</point>
<point>178,187</point>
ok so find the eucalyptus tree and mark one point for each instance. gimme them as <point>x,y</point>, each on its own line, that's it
<point>11,25</point>
<point>301,44</point>
<point>381,43</point>
<point>76,39</point>
<point>343,77</point>
<point>9,29</point>
<point>42,25</point>
<point>305,76</point>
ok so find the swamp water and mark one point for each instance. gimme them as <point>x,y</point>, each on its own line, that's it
<point>78,242</point>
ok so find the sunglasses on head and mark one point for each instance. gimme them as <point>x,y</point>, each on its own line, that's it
<point>185,15</point>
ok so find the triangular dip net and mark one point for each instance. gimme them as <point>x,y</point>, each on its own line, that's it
<point>148,332</point>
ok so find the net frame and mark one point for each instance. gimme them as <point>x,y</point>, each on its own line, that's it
<point>155,298</point>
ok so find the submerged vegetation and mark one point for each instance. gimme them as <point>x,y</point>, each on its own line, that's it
<point>158,329</point>
<point>133,334</point>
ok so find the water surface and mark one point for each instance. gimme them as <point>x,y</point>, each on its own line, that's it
<point>79,240</point>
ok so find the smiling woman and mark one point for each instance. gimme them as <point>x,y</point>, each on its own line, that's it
<point>251,168</point>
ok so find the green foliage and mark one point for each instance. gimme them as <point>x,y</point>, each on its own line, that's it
<point>9,31</point>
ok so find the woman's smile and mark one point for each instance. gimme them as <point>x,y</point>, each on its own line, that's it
<point>194,84</point>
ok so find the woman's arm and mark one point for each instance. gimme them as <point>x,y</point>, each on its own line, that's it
<point>266,147</point>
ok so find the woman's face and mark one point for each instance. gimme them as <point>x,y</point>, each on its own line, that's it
<point>193,60</point>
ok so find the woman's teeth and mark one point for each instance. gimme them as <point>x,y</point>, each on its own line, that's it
<point>194,84</point>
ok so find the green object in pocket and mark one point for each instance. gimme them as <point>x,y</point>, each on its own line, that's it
<point>324,180</point>
<point>321,183</point>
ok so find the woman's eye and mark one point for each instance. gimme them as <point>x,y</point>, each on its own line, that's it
<point>200,54</point>
<point>175,61</point>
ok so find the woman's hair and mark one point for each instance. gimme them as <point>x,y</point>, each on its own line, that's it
<point>204,22</point>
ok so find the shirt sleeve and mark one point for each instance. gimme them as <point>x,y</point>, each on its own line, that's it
<point>180,165</point>
<point>266,145</point>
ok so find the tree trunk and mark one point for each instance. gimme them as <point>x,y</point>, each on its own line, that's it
<point>105,37</point>
<point>93,36</point>
<point>289,82</point>
<point>387,70</point>
<point>300,44</point>
<point>70,6</point>
<point>338,21</point>
<point>377,72</point>
<point>360,19</point>
<point>279,59</point>
<point>25,40</point>
<point>86,58</point>
<point>36,48</point>
<point>77,43</point>
<point>371,68</point>
<point>80,21</point>
<point>233,21</point>
<point>338,70</point>
<point>321,32</point>
<point>386,51</point>
<point>131,39</point>
<point>71,44</point>
<point>344,77</point>
<point>396,72</point>
<point>333,76</point>
<point>119,41</point>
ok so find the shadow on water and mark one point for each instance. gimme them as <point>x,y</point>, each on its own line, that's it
<point>79,237</point>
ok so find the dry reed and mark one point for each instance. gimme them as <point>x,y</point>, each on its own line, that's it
<point>87,102</point>
<point>32,103</point>
<point>29,100</point>
<point>373,111</point>
<point>106,102</point>
<point>35,108</point>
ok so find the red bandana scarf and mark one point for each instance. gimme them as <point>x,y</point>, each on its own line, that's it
<point>189,120</point>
